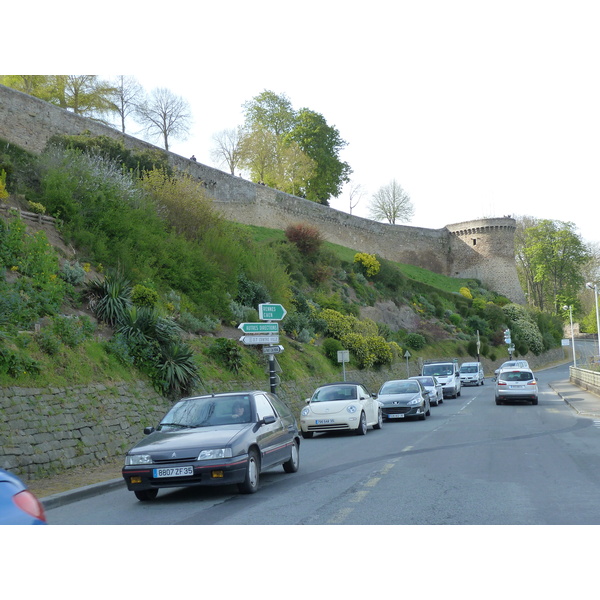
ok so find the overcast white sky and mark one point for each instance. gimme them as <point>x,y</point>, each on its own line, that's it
<point>478,109</point>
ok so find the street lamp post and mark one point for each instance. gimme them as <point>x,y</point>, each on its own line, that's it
<point>594,286</point>
<point>572,333</point>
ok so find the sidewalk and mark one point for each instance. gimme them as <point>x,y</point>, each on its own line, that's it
<point>581,401</point>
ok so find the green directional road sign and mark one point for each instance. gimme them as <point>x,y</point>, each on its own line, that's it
<point>271,312</point>
<point>259,327</point>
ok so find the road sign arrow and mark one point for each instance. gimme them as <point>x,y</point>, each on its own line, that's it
<point>259,327</point>
<point>271,312</point>
<point>259,339</point>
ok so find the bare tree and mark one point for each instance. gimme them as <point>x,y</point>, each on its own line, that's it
<point>126,96</point>
<point>228,148</point>
<point>392,203</point>
<point>357,193</point>
<point>164,115</point>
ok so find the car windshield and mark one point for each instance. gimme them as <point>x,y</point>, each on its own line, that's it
<point>515,376</point>
<point>332,393</point>
<point>425,380</point>
<point>438,370</point>
<point>468,369</point>
<point>208,412</point>
<point>399,387</point>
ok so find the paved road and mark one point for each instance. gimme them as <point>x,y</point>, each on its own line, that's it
<point>471,462</point>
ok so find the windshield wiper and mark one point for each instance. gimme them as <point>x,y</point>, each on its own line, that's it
<point>177,425</point>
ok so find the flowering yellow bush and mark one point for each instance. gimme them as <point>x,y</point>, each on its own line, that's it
<point>369,263</point>
<point>466,292</point>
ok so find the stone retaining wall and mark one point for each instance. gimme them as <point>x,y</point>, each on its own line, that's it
<point>49,430</point>
<point>586,379</point>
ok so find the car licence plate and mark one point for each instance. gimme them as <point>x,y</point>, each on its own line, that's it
<point>324,421</point>
<point>173,472</point>
<point>396,416</point>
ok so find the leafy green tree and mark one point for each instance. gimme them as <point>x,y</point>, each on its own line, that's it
<point>551,258</point>
<point>322,143</point>
<point>296,152</point>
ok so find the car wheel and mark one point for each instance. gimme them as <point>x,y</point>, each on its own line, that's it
<point>144,495</point>
<point>428,412</point>
<point>362,425</point>
<point>291,466</point>
<point>307,434</point>
<point>379,423</point>
<point>534,401</point>
<point>441,401</point>
<point>498,402</point>
<point>250,483</point>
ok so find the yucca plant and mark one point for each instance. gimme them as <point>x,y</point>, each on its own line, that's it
<point>176,368</point>
<point>109,298</point>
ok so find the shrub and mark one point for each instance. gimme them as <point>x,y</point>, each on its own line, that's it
<point>307,238</point>
<point>368,262</point>
<point>415,341</point>
<point>109,298</point>
<point>143,296</point>
<point>331,346</point>
<point>228,352</point>
<point>176,371</point>
<point>72,272</point>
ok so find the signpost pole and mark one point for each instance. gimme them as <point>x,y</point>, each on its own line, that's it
<point>272,379</point>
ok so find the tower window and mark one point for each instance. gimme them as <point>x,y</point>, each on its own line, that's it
<point>474,241</point>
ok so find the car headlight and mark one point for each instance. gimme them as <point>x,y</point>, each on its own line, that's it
<point>351,409</point>
<point>415,401</point>
<point>305,412</point>
<point>138,459</point>
<point>215,453</point>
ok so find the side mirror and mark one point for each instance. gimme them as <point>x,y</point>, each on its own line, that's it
<point>268,420</point>
<point>148,430</point>
<point>307,400</point>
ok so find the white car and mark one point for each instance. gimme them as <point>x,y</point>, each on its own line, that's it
<point>340,407</point>
<point>512,364</point>
<point>516,384</point>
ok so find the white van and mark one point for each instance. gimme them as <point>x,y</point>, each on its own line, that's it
<point>447,374</point>
<point>471,373</point>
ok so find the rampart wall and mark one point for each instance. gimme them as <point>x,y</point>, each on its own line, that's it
<point>483,249</point>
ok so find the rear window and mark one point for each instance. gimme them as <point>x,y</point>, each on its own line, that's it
<point>516,376</point>
<point>443,370</point>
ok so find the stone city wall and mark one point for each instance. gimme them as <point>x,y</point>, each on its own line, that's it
<point>29,122</point>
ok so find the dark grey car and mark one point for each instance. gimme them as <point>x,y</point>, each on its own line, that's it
<point>402,398</point>
<point>214,440</point>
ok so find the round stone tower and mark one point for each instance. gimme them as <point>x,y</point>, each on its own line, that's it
<point>485,249</point>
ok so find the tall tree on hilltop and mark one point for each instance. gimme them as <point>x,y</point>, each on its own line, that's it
<point>165,115</point>
<point>304,150</point>
<point>391,203</point>
<point>322,143</point>
<point>85,95</point>
<point>126,95</point>
<point>227,148</point>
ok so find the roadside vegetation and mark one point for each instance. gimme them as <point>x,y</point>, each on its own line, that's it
<point>157,277</point>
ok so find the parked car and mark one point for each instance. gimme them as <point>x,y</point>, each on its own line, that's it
<point>403,398</point>
<point>512,364</point>
<point>471,373</point>
<point>18,506</point>
<point>220,439</point>
<point>447,374</point>
<point>433,387</point>
<point>342,406</point>
<point>516,384</point>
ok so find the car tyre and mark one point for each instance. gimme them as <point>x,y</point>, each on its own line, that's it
<point>291,466</point>
<point>379,423</point>
<point>307,434</point>
<point>534,401</point>
<point>145,495</point>
<point>251,481</point>
<point>362,425</point>
<point>498,402</point>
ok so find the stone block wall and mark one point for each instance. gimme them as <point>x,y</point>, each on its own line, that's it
<point>29,122</point>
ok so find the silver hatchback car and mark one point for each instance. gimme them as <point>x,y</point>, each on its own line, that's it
<point>516,384</point>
